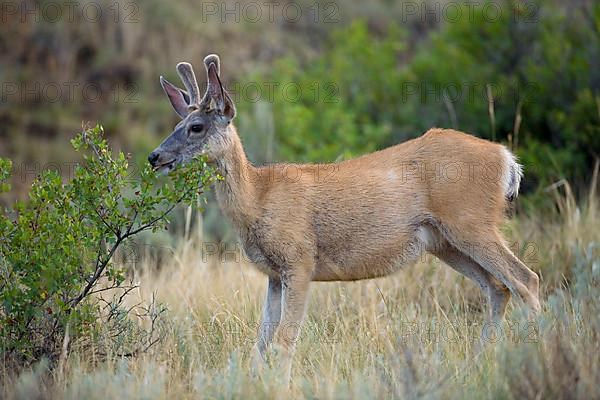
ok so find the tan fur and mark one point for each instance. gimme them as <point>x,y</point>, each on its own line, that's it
<point>444,193</point>
<point>367,217</point>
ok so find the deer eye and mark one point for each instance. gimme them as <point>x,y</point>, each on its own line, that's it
<point>197,128</point>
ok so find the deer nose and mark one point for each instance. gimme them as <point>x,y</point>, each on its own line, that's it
<point>153,158</point>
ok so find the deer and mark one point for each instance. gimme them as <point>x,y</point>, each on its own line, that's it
<point>445,193</point>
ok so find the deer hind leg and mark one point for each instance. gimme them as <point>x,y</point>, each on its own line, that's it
<point>491,253</point>
<point>497,293</point>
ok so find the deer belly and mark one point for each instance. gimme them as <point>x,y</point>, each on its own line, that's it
<point>357,263</point>
<point>364,267</point>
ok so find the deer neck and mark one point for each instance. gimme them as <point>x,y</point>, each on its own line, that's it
<point>236,193</point>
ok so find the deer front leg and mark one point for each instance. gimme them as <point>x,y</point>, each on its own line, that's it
<point>295,287</point>
<point>271,316</point>
<point>270,321</point>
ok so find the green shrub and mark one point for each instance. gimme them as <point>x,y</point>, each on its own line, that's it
<point>333,108</point>
<point>57,249</point>
<point>539,61</point>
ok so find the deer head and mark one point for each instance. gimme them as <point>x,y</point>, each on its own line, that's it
<point>204,125</point>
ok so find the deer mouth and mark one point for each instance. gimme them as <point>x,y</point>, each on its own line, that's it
<point>165,166</point>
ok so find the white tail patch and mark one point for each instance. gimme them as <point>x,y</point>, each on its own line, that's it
<point>512,174</point>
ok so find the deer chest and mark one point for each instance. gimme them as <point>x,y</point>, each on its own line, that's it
<point>260,257</point>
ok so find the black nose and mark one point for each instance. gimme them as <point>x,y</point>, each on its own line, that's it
<point>153,158</point>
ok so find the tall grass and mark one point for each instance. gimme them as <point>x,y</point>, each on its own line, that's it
<point>415,334</point>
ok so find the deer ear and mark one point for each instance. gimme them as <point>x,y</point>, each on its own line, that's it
<point>216,95</point>
<point>178,98</point>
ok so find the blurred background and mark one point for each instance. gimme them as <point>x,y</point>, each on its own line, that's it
<point>312,80</point>
<point>320,81</point>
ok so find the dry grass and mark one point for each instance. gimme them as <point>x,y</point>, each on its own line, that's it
<point>413,335</point>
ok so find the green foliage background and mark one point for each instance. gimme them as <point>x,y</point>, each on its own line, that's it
<point>356,78</point>
<point>544,70</point>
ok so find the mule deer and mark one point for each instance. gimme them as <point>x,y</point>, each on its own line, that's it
<point>444,193</point>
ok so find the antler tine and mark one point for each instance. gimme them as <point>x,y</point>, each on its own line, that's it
<point>210,59</point>
<point>186,73</point>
